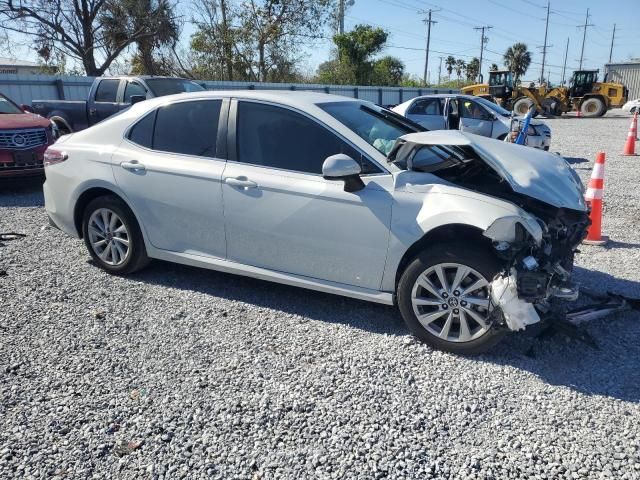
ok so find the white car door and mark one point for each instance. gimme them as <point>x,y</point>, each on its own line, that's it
<point>170,170</point>
<point>474,118</point>
<point>281,214</point>
<point>427,112</point>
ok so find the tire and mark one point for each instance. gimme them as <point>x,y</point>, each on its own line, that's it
<point>521,106</point>
<point>633,110</point>
<point>592,107</point>
<point>483,265</point>
<point>106,247</point>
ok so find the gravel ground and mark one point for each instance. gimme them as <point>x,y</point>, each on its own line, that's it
<point>184,373</point>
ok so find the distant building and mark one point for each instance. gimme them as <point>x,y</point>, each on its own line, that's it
<point>627,73</point>
<point>18,67</point>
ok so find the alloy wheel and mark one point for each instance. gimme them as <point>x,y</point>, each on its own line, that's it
<point>109,237</point>
<point>451,301</point>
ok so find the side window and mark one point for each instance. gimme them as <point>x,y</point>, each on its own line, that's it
<point>471,109</point>
<point>189,128</point>
<point>426,106</point>
<point>107,90</point>
<point>133,88</point>
<point>280,138</point>
<point>142,132</point>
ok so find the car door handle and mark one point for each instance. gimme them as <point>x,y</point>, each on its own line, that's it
<point>92,111</point>
<point>241,182</point>
<point>133,166</point>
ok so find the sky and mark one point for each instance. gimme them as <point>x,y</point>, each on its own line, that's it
<point>511,21</point>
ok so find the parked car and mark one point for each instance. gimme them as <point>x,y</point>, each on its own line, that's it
<point>470,114</point>
<point>331,194</point>
<point>107,96</point>
<point>24,137</point>
<point>632,106</point>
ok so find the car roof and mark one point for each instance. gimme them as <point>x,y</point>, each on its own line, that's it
<point>297,98</point>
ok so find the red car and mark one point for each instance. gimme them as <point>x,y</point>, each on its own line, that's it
<point>24,137</point>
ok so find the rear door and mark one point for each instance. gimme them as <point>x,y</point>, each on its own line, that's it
<point>105,100</point>
<point>428,112</point>
<point>170,168</point>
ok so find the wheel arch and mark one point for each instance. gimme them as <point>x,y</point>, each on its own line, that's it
<point>60,121</point>
<point>87,196</point>
<point>441,234</point>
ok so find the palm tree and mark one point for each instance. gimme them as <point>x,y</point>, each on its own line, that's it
<point>450,62</point>
<point>472,69</point>
<point>460,64</point>
<point>493,67</point>
<point>517,59</point>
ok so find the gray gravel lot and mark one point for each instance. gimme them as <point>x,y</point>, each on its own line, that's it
<point>177,372</point>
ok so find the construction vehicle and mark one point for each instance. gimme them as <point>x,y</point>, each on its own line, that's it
<point>584,94</point>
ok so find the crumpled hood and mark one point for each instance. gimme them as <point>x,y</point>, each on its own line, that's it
<point>538,174</point>
<point>22,120</point>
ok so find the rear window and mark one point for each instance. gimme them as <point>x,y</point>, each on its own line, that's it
<point>107,90</point>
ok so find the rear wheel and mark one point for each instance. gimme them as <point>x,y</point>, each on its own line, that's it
<point>112,236</point>
<point>593,107</point>
<point>443,296</point>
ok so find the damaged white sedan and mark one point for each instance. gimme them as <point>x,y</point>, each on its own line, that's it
<point>470,237</point>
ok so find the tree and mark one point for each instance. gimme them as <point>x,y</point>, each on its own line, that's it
<point>450,63</point>
<point>256,40</point>
<point>459,66</point>
<point>517,59</point>
<point>355,48</point>
<point>387,71</point>
<point>123,17</point>
<point>493,67</point>
<point>82,30</point>
<point>472,69</point>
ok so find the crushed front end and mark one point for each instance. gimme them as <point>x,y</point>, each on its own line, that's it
<point>538,270</point>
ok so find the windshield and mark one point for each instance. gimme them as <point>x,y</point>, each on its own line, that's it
<point>168,86</point>
<point>7,106</point>
<point>494,107</point>
<point>378,126</point>
<point>500,78</point>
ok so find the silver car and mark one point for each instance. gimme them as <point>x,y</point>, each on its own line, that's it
<point>467,235</point>
<point>470,114</point>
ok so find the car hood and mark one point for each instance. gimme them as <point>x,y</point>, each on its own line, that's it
<point>22,120</point>
<point>538,174</point>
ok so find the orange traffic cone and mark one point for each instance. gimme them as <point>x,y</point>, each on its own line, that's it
<point>630,145</point>
<point>594,199</point>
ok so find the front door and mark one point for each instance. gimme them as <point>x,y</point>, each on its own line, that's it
<point>474,118</point>
<point>281,214</point>
<point>171,173</point>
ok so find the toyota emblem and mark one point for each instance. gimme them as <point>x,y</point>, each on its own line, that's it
<point>19,140</point>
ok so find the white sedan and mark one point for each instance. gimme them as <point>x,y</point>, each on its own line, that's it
<point>469,236</point>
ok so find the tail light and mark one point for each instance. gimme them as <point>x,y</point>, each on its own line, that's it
<point>53,156</point>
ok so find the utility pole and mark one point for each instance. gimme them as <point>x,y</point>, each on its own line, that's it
<point>482,42</point>
<point>584,36</point>
<point>440,72</point>
<point>340,16</point>
<point>613,36</point>
<point>564,66</point>
<point>426,60</point>
<point>544,46</point>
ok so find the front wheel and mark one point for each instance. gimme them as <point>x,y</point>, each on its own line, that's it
<point>443,296</point>
<point>593,107</point>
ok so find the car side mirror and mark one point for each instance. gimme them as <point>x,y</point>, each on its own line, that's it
<point>343,167</point>
<point>137,98</point>
<point>26,108</point>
